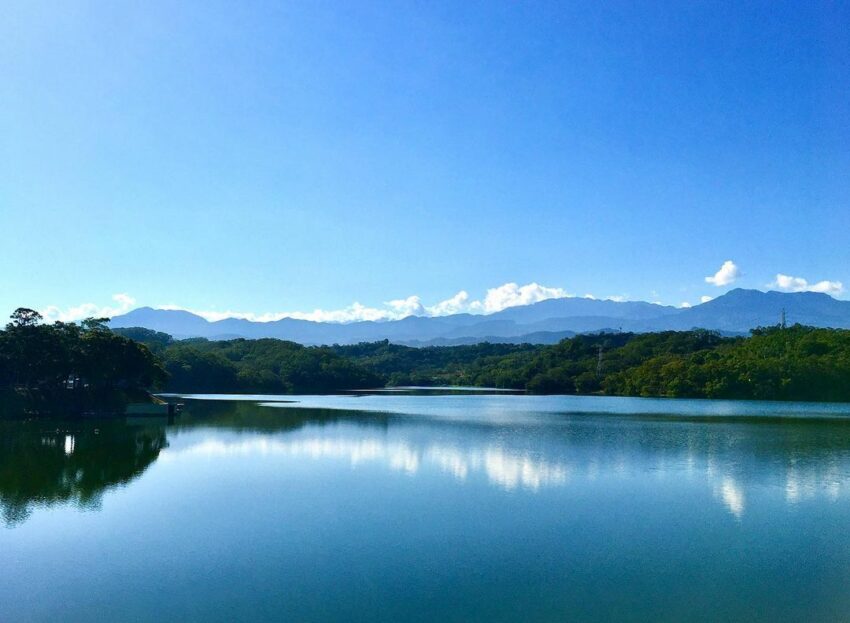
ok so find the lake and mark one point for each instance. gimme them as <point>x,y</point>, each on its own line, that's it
<point>430,508</point>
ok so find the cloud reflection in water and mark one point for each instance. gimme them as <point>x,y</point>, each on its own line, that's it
<point>736,463</point>
<point>506,469</point>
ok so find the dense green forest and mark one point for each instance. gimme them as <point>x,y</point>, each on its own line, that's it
<point>255,366</point>
<point>773,363</point>
<point>434,365</point>
<point>81,366</point>
<point>87,362</point>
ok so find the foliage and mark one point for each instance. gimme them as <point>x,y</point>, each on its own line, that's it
<point>71,362</point>
<point>156,341</point>
<point>776,363</point>
<point>261,366</point>
<point>795,363</point>
<point>433,365</point>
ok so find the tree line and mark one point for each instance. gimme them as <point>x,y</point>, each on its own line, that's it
<point>92,361</point>
<point>772,363</point>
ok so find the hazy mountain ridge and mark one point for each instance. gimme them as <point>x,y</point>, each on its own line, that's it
<point>737,311</point>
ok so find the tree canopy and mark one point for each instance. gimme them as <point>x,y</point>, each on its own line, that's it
<point>74,363</point>
<point>90,360</point>
<point>776,363</point>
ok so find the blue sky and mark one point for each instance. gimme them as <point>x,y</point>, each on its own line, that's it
<point>277,157</point>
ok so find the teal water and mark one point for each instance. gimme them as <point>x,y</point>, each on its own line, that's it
<point>430,508</point>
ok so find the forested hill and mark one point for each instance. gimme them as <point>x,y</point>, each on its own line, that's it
<point>89,364</point>
<point>775,363</point>
<point>255,366</point>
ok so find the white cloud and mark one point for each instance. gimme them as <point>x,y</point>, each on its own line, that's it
<point>705,299</point>
<point>798,284</point>
<point>494,300</point>
<point>124,302</point>
<point>411,306</point>
<point>512,295</point>
<point>727,274</point>
<point>454,305</point>
<point>684,304</point>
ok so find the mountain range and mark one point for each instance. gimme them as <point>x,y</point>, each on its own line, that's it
<point>549,321</point>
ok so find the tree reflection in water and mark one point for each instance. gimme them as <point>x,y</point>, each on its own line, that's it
<point>48,462</point>
<point>43,463</point>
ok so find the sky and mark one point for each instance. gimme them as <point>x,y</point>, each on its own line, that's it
<point>345,160</point>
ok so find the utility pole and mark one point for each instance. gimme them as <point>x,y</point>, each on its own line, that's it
<point>782,322</point>
<point>599,362</point>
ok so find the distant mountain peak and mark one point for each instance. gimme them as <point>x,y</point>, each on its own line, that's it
<point>737,311</point>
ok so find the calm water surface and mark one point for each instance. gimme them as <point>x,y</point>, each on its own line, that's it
<point>426,508</point>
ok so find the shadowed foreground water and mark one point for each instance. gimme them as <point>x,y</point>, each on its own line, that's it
<point>423,508</point>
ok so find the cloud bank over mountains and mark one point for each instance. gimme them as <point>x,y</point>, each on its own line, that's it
<point>122,304</point>
<point>787,283</point>
<point>495,299</point>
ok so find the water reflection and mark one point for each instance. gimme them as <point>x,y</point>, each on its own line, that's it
<point>42,464</point>
<point>802,457</point>
<point>732,495</point>
<point>729,459</point>
<point>506,469</point>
